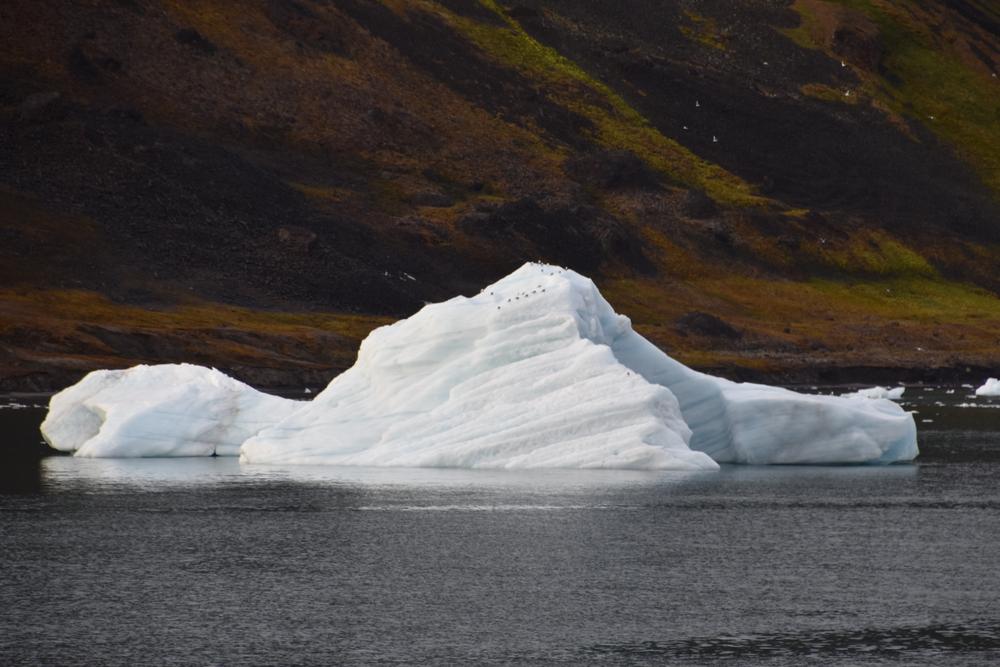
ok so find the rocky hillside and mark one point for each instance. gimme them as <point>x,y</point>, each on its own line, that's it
<point>805,190</point>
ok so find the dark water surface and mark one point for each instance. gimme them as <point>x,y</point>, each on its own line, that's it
<point>206,562</point>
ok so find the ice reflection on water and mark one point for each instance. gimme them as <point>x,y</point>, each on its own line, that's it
<point>109,474</point>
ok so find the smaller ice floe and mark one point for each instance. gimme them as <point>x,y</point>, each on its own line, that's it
<point>14,405</point>
<point>991,388</point>
<point>877,392</point>
<point>978,405</point>
<point>164,410</point>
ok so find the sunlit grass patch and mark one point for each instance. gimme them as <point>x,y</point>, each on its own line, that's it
<point>702,29</point>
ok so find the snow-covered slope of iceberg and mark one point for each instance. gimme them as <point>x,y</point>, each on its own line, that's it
<point>990,388</point>
<point>538,371</point>
<point>520,376</point>
<point>165,410</point>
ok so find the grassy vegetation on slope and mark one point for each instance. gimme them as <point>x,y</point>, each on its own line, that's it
<point>801,291</point>
<point>617,124</point>
<point>925,76</point>
<point>905,322</point>
<point>68,330</point>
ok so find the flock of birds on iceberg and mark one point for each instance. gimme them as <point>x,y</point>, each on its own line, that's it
<point>535,371</point>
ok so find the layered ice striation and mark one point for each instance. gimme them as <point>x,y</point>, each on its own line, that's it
<point>165,410</point>
<point>537,370</point>
<point>990,388</point>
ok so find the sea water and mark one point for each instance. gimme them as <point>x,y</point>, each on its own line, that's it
<point>204,561</point>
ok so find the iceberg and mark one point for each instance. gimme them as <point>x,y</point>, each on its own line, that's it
<point>535,371</point>
<point>877,392</point>
<point>521,375</point>
<point>990,388</point>
<point>164,410</point>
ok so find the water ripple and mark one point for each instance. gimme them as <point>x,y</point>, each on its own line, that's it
<point>896,642</point>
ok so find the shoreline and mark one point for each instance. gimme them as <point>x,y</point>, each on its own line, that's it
<point>293,383</point>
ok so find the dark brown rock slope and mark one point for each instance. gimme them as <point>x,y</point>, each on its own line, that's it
<point>256,183</point>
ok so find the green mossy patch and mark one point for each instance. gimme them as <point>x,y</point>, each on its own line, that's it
<point>923,77</point>
<point>873,253</point>
<point>826,93</point>
<point>703,29</point>
<point>617,124</point>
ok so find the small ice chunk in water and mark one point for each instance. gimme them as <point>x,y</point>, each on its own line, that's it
<point>991,388</point>
<point>877,392</point>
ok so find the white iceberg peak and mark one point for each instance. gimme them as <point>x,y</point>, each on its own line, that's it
<point>521,375</point>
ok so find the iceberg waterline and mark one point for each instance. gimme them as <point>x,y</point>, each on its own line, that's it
<point>535,371</point>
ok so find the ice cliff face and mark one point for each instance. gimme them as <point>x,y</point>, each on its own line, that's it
<point>537,370</point>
